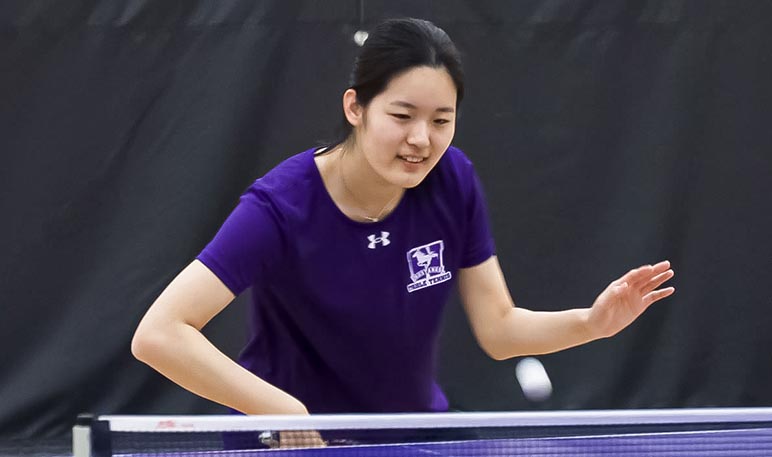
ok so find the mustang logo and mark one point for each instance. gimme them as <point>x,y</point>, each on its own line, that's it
<point>424,259</point>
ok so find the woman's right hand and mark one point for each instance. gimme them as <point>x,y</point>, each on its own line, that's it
<point>300,438</point>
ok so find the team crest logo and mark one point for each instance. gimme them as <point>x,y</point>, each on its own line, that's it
<point>427,267</point>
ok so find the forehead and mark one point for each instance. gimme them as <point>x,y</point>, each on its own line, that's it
<point>422,87</point>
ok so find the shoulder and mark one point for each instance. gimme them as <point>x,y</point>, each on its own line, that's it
<point>458,160</point>
<point>286,175</point>
<point>286,184</point>
<point>454,169</point>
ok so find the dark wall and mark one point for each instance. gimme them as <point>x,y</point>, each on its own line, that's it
<point>608,134</point>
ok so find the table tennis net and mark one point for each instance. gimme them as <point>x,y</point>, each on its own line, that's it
<point>704,432</point>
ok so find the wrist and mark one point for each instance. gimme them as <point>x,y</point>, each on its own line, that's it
<point>586,326</point>
<point>280,403</point>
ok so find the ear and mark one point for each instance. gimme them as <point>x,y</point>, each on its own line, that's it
<point>351,108</point>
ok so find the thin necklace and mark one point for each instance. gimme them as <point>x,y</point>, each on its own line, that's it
<point>359,202</point>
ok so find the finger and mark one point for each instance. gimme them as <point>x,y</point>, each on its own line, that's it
<point>645,275</point>
<point>300,439</point>
<point>661,267</point>
<point>637,276</point>
<point>657,281</point>
<point>657,295</point>
<point>631,275</point>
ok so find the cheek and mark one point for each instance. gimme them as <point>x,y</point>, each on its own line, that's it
<point>383,135</point>
<point>386,130</point>
<point>442,138</point>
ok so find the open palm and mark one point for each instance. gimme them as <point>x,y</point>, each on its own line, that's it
<point>627,297</point>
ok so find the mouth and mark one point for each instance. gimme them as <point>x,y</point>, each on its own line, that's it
<point>413,159</point>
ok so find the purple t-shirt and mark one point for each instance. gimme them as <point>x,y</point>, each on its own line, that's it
<point>345,314</point>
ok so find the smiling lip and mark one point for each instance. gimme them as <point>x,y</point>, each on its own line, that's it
<point>413,159</point>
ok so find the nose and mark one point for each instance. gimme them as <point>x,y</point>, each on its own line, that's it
<point>419,135</point>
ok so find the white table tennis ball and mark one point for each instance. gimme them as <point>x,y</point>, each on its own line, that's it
<point>533,379</point>
<point>360,37</point>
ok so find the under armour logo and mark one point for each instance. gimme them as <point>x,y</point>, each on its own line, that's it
<point>376,240</point>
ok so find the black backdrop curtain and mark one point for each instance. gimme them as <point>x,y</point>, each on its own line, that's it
<point>607,134</point>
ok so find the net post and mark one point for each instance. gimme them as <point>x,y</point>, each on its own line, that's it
<point>81,435</point>
<point>91,437</point>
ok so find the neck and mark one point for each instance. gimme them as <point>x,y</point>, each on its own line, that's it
<point>365,193</point>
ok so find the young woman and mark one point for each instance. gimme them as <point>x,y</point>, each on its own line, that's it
<point>351,252</point>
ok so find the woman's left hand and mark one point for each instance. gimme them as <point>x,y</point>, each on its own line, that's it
<point>627,297</point>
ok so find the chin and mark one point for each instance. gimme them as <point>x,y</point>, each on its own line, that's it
<point>409,182</point>
<point>413,183</point>
<point>407,179</point>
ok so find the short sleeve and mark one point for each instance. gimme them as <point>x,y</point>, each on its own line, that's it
<point>479,244</point>
<point>247,243</point>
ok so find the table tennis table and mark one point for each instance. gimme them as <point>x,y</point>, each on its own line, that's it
<point>679,432</point>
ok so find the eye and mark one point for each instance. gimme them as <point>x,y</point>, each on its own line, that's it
<point>401,116</point>
<point>441,121</point>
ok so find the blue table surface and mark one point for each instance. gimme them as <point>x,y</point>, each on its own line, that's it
<point>724,443</point>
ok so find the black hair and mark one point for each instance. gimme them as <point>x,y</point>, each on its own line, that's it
<point>393,47</point>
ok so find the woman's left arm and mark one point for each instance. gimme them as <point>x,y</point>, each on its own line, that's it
<point>504,330</point>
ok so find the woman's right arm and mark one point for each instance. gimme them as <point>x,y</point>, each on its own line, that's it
<point>169,339</point>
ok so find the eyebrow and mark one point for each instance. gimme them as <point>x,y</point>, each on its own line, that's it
<point>443,109</point>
